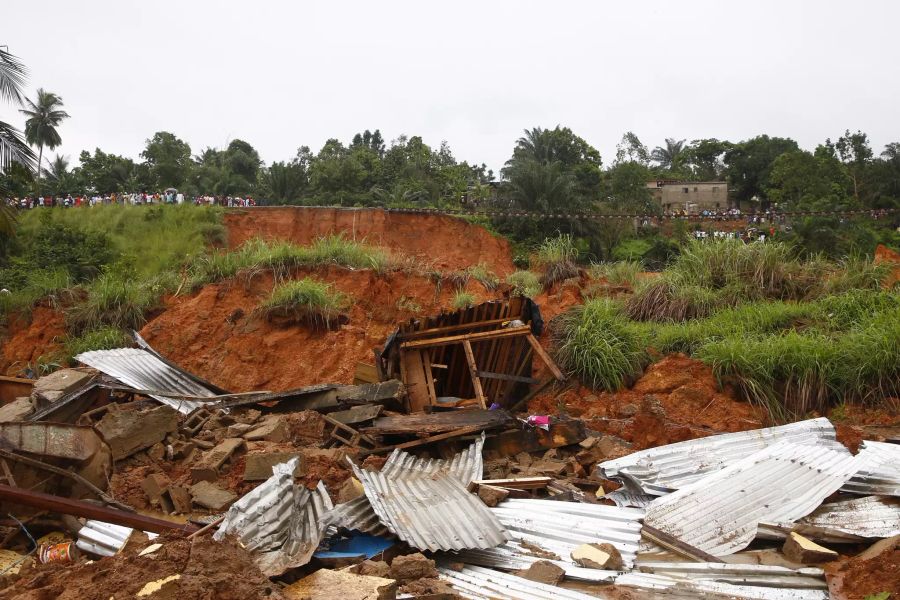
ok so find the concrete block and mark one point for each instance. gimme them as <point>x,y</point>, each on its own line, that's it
<point>598,556</point>
<point>273,429</point>
<point>179,498</point>
<point>804,551</point>
<point>258,465</point>
<point>16,410</point>
<point>211,496</point>
<point>154,485</point>
<point>130,431</point>
<point>207,468</point>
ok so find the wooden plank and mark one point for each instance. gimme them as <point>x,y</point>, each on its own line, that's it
<point>518,483</point>
<point>505,377</point>
<point>365,373</point>
<point>471,337</point>
<point>421,442</point>
<point>473,371</point>
<point>546,358</point>
<point>420,395</point>
<point>417,335</point>
<point>438,422</point>
<point>670,542</point>
<point>429,376</point>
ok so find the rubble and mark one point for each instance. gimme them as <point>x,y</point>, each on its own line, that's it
<point>207,468</point>
<point>326,584</point>
<point>801,550</point>
<point>211,496</point>
<point>598,556</point>
<point>130,431</point>
<point>543,571</point>
<point>412,566</point>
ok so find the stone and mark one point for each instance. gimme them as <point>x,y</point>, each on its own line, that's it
<point>273,429</point>
<point>130,431</point>
<point>412,566</point>
<point>588,442</point>
<point>628,410</point>
<point>258,465</point>
<point>804,551</point>
<point>543,571</point>
<point>182,449</point>
<point>326,584</point>
<point>492,496</point>
<point>207,468</point>
<point>179,498</point>
<point>247,415</point>
<point>547,467</point>
<point>612,447</point>
<point>239,429</point>
<point>154,485</point>
<point>598,556</point>
<point>307,427</point>
<point>350,490</point>
<point>16,410</point>
<point>157,451</point>
<point>373,568</point>
<point>211,496</point>
<point>50,388</point>
<point>524,459</point>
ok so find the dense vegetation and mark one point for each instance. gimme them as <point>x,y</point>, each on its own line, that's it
<point>794,335</point>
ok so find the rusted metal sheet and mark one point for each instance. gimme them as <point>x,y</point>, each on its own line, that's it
<point>14,387</point>
<point>719,513</point>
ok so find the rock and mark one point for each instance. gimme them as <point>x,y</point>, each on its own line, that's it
<point>16,410</point>
<point>182,449</point>
<point>412,566</point>
<point>247,415</point>
<point>273,429</point>
<point>543,571</point>
<point>307,427</point>
<point>611,447</point>
<point>373,568</point>
<point>179,498</point>
<point>350,490</point>
<point>588,442</point>
<point>157,451</point>
<point>154,485</point>
<point>49,388</point>
<point>524,459</point>
<point>258,465</point>
<point>550,454</point>
<point>628,410</point>
<point>207,468</point>
<point>239,429</point>
<point>211,496</point>
<point>804,551</point>
<point>598,556</point>
<point>547,467</point>
<point>492,496</point>
<point>326,584</point>
<point>130,431</point>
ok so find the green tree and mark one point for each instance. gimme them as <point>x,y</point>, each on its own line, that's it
<point>285,182</point>
<point>628,190</point>
<point>855,152</point>
<point>168,158</point>
<point>106,173</point>
<point>15,155</point>
<point>749,163</point>
<point>800,180</point>
<point>671,155</point>
<point>58,175</point>
<point>44,114</point>
<point>630,149</point>
<point>705,158</point>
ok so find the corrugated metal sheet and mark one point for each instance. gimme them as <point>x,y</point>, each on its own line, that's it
<point>719,514</point>
<point>467,466</point>
<point>623,498</point>
<point>881,475</point>
<point>848,521</point>
<point>513,556</point>
<point>278,520</point>
<point>741,574</point>
<point>477,582</point>
<point>560,527</point>
<point>431,512</point>
<point>357,515</point>
<point>706,588</point>
<point>141,370</point>
<point>661,470</point>
<point>104,539</point>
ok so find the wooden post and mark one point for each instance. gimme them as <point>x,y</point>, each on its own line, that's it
<point>546,358</point>
<point>476,382</point>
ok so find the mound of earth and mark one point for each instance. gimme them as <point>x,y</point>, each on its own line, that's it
<point>883,254</point>
<point>30,337</point>
<point>218,333</point>
<point>447,243</point>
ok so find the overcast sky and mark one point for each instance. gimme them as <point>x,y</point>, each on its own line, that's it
<point>284,74</point>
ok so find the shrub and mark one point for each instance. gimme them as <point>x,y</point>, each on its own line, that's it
<point>116,299</point>
<point>462,299</point>
<point>308,300</point>
<point>482,274</point>
<point>524,283</point>
<point>621,273</point>
<point>104,338</point>
<point>556,256</point>
<point>594,343</point>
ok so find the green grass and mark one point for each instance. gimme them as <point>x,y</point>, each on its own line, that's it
<point>556,258</point>
<point>104,338</point>
<point>307,300</point>
<point>482,274</point>
<point>462,299</point>
<point>119,300</point>
<point>524,283</point>
<point>620,273</point>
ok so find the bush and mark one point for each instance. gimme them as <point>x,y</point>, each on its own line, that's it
<point>556,257</point>
<point>621,273</point>
<point>482,274</point>
<point>308,300</point>
<point>462,299</point>
<point>104,338</point>
<point>524,283</point>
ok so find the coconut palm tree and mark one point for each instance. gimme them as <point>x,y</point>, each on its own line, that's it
<point>44,116</point>
<point>13,148</point>
<point>671,155</point>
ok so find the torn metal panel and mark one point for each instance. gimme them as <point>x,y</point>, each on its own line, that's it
<point>881,475</point>
<point>808,578</point>
<point>560,527</point>
<point>513,556</point>
<point>105,539</point>
<point>692,588</point>
<point>854,520</point>
<point>431,512</point>
<point>661,470</point>
<point>719,514</point>
<point>279,521</point>
<point>478,582</point>
<point>142,370</point>
<point>466,466</point>
<point>623,498</point>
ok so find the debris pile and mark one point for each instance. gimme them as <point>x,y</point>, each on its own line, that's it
<point>132,477</point>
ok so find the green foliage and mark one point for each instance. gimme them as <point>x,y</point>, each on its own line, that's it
<point>462,299</point>
<point>117,298</point>
<point>623,272</point>
<point>483,275</point>
<point>103,338</point>
<point>524,283</point>
<point>749,164</point>
<point>307,300</point>
<point>169,159</point>
<point>878,596</point>
<point>556,256</point>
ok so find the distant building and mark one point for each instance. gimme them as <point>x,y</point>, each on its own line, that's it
<point>690,196</point>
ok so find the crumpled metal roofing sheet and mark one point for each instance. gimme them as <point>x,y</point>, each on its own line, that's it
<point>661,470</point>
<point>847,521</point>
<point>881,475</point>
<point>278,520</point>
<point>513,556</point>
<point>706,588</point>
<point>623,498</point>
<point>357,515</point>
<point>719,514</point>
<point>431,512</point>
<point>105,539</point>
<point>141,370</point>
<point>560,527</point>
<point>478,582</point>
<point>809,578</point>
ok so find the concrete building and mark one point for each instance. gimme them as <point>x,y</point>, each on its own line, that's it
<point>690,196</point>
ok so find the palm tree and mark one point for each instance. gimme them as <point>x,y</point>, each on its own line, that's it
<point>43,118</point>
<point>58,173</point>
<point>13,148</point>
<point>671,155</point>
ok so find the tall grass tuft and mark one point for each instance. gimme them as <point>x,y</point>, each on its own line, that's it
<point>483,275</point>
<point>556,257</point>
<point>594,343</point>
<point>462,299</point>
<point>104,338</point>
<point>524,283</point>
<point>307,300</point>
<point>620,273</point>
<point>117,300</point>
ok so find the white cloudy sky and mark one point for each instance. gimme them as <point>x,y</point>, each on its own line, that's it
<point>284,74</point>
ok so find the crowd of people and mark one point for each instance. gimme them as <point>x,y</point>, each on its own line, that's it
<point>136,199</point>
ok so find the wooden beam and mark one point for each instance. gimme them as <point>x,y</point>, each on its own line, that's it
<point>506,377</point>
<point>546,358</point>
<point>471,337</point>
<point>473,370</point>
<point>519,483</point>
<point>670,542</point>
<point>435,438</point>
<point>417,335</point>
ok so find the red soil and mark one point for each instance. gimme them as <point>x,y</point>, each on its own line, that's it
<point>446,242</point>
<point>883,254</point>
<point>29,338</point>
<point>216,334</point>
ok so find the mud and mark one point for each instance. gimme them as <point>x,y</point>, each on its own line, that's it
<point>865,576</point>
<point>447,243</point>
<point>31,337</point>
<point>883,254</point>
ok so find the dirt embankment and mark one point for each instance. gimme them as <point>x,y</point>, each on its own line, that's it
<point>445,242</point>
<point>883,254</point>
<point>30,337</point>
<point>216,333</point>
